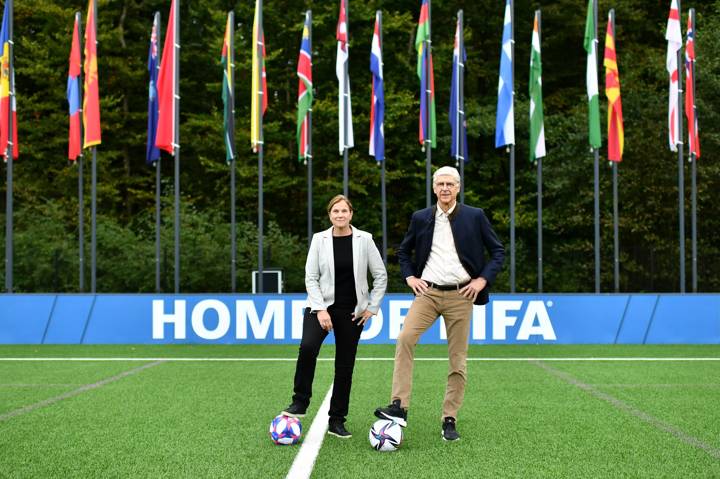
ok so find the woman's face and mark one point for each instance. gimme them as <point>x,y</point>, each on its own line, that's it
<point>340,215</point>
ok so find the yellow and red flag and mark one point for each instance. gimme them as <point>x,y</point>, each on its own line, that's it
<point>6,100</point>
<point>259,79</point>
<point>91,99</point>
<point>616,131</point>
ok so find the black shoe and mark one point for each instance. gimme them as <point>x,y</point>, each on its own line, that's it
<point>338,429</point>
<point>295,410</point>
<point>393,412</point>
<point>449,433</point>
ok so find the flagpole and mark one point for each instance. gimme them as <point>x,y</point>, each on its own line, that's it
<point>176,146</point>
<point>346,81</point>
<point>233,232</point>
<point>383,193</point>
<point>460,125</point>
<point>596,167</point>
<point>693,171</point>
<point>309,155</point>
<point>428,96</point>
<point>158,190</point>
<point>538,15</point>
<point>9,161</point>
<point>81,200</point>
<point>512,153</point>
<point>261,146</point>
<point>93,192</point>
<point>681,166</point>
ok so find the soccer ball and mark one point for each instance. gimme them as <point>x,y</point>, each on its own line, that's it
<point>385,435</point>
<point>285,430</point>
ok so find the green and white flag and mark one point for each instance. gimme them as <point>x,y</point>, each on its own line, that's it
<point>537,123</point>
<point>592,79</point>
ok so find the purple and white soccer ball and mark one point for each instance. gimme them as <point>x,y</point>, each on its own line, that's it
<point>285,430</point>
<point>385,435</point>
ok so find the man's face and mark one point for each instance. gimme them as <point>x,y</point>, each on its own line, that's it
<point>446,189</point>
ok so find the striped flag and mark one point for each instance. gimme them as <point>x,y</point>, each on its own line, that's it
<point>428,132</point>
<point>228,92</point>
<point>377,106</point>
<point>167,129</point>
<point>91,99</point>
<point>345,139</point>
<point>591,79</point>
<point>458,125</point>
<point>73,95</point>
<point>537,122</point>
<point>616,130</point>
<point>152,153</point>
<point>6,101</point>
<point>505,120</point>
<point>690,106</point>
<point>305,92</point>
<point>258,65</point>
<point>674,38</point>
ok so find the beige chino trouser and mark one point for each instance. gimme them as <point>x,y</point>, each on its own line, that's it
<point>424,311</point>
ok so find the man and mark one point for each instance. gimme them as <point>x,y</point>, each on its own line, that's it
<point>448,274</point>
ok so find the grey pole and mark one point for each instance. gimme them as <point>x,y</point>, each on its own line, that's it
<point>81,200</point>
<point>233,231</point>
<point>346,80</point>
<point>616,238</point>
<point>538,15</point>
<point>460,146</point>
<point>261,147</point>
<point>158,190</point>
<point>693,172</point>
<point>309,157</point>
<point>9,161</point>
<point>176,90</point>
<point>383,194</point>
<point>93,196</point>
<point>428,99</point>
<point>681,168</point>
<point>512,154</point>
<point>596,165</point>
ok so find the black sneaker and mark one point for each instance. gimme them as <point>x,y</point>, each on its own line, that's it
<point>337,429</point>
<point>295,410</point>
<point>393,412</point>
<point>449,433</point>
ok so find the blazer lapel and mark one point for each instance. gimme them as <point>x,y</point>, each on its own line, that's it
<point>355,252</point>
<point>327,250</point>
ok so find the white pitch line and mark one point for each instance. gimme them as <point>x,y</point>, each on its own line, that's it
<point>303,464</point>
<point>669,359</point>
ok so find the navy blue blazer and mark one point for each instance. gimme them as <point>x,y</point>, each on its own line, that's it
<point>472,233</point>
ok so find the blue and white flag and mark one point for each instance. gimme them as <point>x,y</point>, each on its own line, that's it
<point>505,121</point>
<point>377,108</point>
<point>458,125</point>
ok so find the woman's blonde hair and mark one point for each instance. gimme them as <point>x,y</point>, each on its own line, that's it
<point>337,199</point>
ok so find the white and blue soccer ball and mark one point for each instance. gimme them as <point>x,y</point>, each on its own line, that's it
<point>285,430</point>
<point>385,435</point>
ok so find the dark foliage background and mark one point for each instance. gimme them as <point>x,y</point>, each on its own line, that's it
<point>46,205</point>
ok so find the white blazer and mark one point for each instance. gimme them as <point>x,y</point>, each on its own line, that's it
<point>320,271</point>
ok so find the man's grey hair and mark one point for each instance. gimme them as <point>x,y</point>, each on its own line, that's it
<point>449,171</point>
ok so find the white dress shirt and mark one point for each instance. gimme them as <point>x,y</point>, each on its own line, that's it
<point>443,264</point>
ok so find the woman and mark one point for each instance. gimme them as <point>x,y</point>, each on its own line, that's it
<point>338,300</point>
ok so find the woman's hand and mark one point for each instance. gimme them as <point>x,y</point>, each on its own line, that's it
<point>363,317</point>
<point>324,320</point>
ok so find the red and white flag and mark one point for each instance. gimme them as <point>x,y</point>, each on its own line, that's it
<point>674,37</point>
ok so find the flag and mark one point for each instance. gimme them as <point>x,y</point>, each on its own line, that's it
<point>341,62</point>
<point>91,98</point>
<point>505,121</point>
<point>5,98</point>
<point>690,107</point>
<point>305,92</point>
<point>591,79</point>
<point>537,121</point>
<point>674,38</point>
<point>458,126</point>
<point>426,76</point>
<point>616,131</point>
<point>377,105</point>
<point>73,95</point>
<point>167,129</point>
<point>228,92</point>
<point>152,153</point>
<point>258,65</point>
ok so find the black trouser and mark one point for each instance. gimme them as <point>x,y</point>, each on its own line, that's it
<point>347,335</point>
